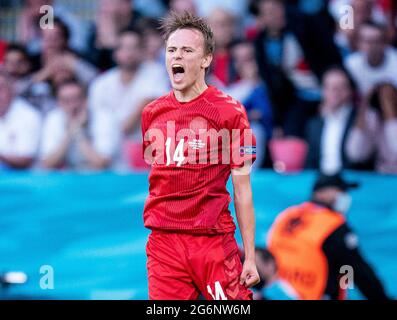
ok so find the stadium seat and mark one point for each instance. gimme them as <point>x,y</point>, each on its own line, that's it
<point>288,154</point>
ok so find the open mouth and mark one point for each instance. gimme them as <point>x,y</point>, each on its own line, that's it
<point>178,71</point>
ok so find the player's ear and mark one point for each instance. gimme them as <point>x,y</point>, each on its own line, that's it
<point>206,61</point>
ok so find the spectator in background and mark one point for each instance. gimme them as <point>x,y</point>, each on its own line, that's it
<point>378,11</point>
<point>29,31</point>
<point>56,64</point>
<point>375,62</point>
<point>375,130</point>
<point>242,56</point>
<point>18,65</point>
<point>112,17</point>
<point>252,92</point>
<point>257,20</point>
<point>19,128</point>
<point>326,134</point>
<point>224,26</point>
<point>56,56</point>
<point>312,241</point>
<point>347,38</point>
<point>123,91</point>
<point>291,62</point>
<point>71,138</point>
<point>153,41</point>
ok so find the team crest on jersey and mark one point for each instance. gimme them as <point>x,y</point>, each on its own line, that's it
<point>196,144</point>
<point>247,150</point>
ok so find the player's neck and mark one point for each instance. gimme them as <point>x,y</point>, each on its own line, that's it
<point>190,93</point>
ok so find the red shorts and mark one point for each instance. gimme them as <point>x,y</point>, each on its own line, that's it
<point>181,266</point>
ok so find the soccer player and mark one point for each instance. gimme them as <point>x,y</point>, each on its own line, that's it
<point>191,249</point>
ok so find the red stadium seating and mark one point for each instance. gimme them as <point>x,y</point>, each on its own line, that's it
<point>288,154</point>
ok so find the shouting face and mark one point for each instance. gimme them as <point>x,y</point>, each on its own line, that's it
<point>186,59</point>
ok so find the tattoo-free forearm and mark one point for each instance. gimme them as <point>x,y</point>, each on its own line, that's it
<point>245,213</point>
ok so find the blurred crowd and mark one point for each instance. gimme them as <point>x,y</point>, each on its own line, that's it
<point>319,84</point>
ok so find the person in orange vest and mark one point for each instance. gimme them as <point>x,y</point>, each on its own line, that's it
<point>315,249</point>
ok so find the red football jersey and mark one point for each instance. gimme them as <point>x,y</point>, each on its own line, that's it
<point>192,148</point>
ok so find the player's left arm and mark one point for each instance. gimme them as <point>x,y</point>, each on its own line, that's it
<point>246,221</point>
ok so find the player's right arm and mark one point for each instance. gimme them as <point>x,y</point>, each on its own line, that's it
<point>246,221</point>
<point>243,154</point>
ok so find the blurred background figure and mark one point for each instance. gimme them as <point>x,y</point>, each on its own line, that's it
<point>291,63</point>
<point>252,92</point>
<point>312,241</point>
<point>112,17</point>
<point>375,130</point>
<point>57,58</point>
<point>243,62</point>
<point>29,31</point>
<point>153,41</point>
<point>123,91</point>
<point>20,126</point>
<point>347,38</point>
<point>224,26</point>
<point>326,133</point>
<point>55,64</point>
<point>17,63</point>
<point>71,137</point>
<point>377,11</point>
<point>375,61</point>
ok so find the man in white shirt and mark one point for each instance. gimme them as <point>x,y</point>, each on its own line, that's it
<point>335,122</point>
<point>326,134</point>
<point>123,91</point>
<point>72,138</point>
<point>375,62</point>
<point>19,128</point>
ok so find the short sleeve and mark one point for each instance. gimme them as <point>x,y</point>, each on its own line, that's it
<point>243,141</point>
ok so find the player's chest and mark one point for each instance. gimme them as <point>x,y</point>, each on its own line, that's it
<point>187,138</point>
<point>189,119</point>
